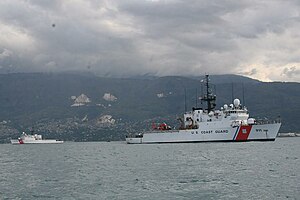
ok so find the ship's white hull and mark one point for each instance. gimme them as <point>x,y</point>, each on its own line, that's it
<point>263,132</point>
<point>37,142</point>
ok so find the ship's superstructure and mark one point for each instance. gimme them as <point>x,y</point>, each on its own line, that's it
<point>34,139</point>
<point>230,123</point>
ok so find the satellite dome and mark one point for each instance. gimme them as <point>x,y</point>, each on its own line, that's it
<point>225,106</point>
<point>231,105</point>
<point>236,102</point>
<point>251,121</point>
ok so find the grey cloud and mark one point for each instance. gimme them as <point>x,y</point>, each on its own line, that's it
<point>125,38</point>
<point>291,72</point>
<point>5,54</point>
<point>251,72</point>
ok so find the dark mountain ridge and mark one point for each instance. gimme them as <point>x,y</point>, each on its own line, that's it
<point>44,101</point>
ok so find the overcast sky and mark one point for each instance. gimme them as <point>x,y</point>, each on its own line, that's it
<point>257,38</point>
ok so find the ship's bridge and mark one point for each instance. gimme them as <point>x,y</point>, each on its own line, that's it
<point>237,114</point>
<point>227,114</point>
<point>235,111</point>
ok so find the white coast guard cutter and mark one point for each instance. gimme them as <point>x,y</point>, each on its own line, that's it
<point>229,124</point>
<point>34,139</point>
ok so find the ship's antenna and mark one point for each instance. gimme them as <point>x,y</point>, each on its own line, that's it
<point>185,100</point>
<point>244,103</point>
<point>232,92</point>
<point>215,89</point>
<point>196,98</point>
<point>207,92</point>
<point>201,92</point>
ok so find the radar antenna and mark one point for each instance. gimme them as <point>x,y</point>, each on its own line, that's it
<point>209,97</point>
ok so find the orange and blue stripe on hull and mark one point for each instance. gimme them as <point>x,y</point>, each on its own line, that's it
<point>242,133</point>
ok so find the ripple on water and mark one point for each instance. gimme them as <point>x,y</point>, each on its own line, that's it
<point>174,171</point>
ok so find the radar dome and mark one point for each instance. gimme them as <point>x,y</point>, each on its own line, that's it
<point>251,121</point>
<point>236,102</point>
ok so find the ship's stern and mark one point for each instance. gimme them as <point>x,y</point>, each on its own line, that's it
<point>134,139</point>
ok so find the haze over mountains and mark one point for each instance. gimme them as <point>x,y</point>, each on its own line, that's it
<point>84,107</point>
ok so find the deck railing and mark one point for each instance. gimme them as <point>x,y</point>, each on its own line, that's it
<point>267,121</point>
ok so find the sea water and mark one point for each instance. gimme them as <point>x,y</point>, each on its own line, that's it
<point>115,170</point>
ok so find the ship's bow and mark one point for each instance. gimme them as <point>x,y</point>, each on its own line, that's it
<point>264,131</point>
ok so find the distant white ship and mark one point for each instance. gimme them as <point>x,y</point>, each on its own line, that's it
<point>289,135</point>
<point>229,124</point>
<point>34,139</point>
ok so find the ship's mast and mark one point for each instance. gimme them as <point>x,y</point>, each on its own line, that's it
<point>209,97</point>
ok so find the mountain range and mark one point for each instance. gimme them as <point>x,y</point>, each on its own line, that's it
<point>85,107</point>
